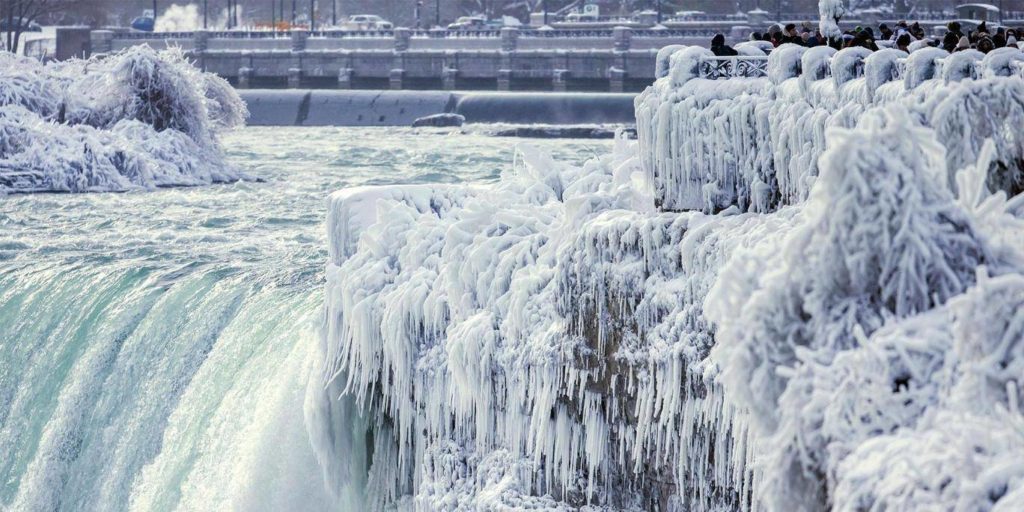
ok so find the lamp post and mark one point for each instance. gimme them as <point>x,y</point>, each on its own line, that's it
<point>204,14</point>
<point>437,13</point>
<point>312,15</point>
<point>154,15</point>
<point>334,13</point>
<point>659,12</point>
<point>544,6</point>
<point>294,8</point>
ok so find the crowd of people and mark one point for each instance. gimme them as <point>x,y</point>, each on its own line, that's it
<point>904,36</point>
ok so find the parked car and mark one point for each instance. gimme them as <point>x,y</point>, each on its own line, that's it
<point>26,26</point>
<point>143,24</point>
<point>582,17</point>
<point>367,22</point>
<point>469,23</point>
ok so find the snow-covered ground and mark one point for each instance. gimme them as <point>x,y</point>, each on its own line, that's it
<point>800,292</point>
<point>137,119</point>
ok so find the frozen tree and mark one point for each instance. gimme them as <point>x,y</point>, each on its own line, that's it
<point>134,119</point>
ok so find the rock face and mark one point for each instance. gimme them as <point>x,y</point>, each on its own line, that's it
<point>439,120</point>
<point>813,319</point>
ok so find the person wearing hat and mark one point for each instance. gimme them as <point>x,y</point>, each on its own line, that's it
<point>963,44</point>
<point>949,41</point>
<point>953,27</point>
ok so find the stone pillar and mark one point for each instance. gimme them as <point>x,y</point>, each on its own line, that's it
<point>616,79</point>
<point>402,37</point>
<point>345,78</point>
<point>294,78</point>
<point>448,76</point>
<point>244,78</point>
<point>622,37</point>
<point>509,39</point>
<point>558,79</point>
<point>200,41</point>
<point>72,43</point>
<point>299,38</point>
<point>504,79</point>
<point>395,79</point>
<point>102,41</point>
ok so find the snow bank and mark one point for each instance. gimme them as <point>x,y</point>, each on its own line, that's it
<point>557,342</point>
<point>137,119</point>
<point>755,143</point>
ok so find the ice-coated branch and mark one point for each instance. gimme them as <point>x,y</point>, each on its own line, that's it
<point>137,119</point>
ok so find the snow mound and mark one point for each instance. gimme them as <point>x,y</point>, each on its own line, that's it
<point>556,341</point>
<point>136,119</point>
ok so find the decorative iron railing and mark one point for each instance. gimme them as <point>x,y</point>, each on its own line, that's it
<point>720,68</point>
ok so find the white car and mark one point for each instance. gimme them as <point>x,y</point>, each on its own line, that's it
<point>367,22</point>
<point>469,23</point>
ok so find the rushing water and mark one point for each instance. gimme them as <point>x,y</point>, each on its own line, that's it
<point>154,346</point>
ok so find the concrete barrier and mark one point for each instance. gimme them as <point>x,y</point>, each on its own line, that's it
<point>545,108</point>
<point>401,108</point>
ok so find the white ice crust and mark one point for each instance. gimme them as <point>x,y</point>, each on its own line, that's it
<point>138,119</point>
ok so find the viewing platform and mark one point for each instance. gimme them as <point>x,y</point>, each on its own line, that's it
<point>747,131</point>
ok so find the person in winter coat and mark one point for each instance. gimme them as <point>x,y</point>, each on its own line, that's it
<point>953,27</point>
<point>884,32</point>
<point>720,49</point>
<point>903,42</point>
<point>985,45</point>
<point>949,42</point>
<point>917,31</point>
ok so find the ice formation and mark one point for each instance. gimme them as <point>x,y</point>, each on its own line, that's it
<point>755,142</point>
<point>136,119</point>
<point>797,292</point>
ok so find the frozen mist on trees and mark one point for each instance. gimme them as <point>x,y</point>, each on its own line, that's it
<point>136,119</point>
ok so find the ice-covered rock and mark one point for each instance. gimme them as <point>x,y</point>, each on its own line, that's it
<point>556,342</point>
<point>800,289</point>
<point>136,119</point>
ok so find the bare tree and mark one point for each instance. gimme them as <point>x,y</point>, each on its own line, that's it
<point>19,14</point>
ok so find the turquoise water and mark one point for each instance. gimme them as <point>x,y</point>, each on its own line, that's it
<point>155,346</point>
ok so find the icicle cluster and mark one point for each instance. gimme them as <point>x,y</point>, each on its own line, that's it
<point>847,334</point>
<point>755,142</point>
<point>137,119</point>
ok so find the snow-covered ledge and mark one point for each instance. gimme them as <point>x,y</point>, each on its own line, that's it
<point>748,131</point>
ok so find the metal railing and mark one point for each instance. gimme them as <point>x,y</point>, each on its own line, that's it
<point>724,68</point>
<point>720,68</point>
